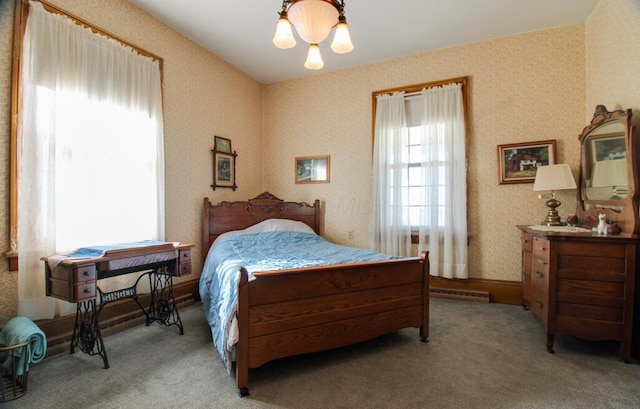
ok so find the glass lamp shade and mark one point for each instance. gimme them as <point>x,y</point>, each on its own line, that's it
<point>314,59</point>
<point>313,19</point>
<point>342,40</point>
<point>284,35</point>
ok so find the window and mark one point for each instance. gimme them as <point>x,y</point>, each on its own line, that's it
<point>419,174</point>
<point>88,146</point>
<point>419,183</point>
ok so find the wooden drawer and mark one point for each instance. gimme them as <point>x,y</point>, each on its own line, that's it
<point>540,305</point>
<point>526,279</point>
<point>184,260</point>
<point>185,255</point>
<point>540,248</point>
<point>73,283</point>
<point>72,293</point>
<point>184,269</point>
<point>540,273</point>
<point>75,274</point>
<point>591,312</point>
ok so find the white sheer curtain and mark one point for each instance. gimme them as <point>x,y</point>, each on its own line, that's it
<point>419,178</point>
<point>443,219</point>
<point>389,231</point>
<point>90,148</point>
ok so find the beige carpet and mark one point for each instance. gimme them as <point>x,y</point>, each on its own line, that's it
<point>479,356</point>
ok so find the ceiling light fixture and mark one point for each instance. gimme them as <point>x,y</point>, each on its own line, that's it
<point>313,20</point>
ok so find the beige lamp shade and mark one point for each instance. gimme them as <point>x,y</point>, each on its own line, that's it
<point>609,173</point>
<point>554,177</point>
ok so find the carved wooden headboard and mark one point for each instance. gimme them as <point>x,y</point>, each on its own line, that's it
<point>227,216</point>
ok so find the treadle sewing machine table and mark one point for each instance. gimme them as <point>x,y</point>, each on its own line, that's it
<point>76,280</point>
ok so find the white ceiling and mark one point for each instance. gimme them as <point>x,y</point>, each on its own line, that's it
<point>240,31</point>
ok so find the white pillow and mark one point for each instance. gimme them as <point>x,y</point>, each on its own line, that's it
<point>279,225</point>
<point>269,225</point>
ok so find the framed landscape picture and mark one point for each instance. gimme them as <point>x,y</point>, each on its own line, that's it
<point>312,169</point>
<point>608,148</point>
<point>518,162</point>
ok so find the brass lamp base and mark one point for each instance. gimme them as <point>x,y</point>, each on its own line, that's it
<point>553,218</point>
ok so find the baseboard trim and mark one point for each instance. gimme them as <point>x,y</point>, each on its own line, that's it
<point>478,289</point>
<point>462,295</point>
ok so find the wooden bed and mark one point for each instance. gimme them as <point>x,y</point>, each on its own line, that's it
<point>297,311</point>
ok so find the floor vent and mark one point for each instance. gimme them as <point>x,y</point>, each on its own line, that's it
<point>455,294</point>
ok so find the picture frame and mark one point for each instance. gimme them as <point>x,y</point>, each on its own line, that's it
<point>312,169</point>
<point>221,144</point>
<point>608,147</point>
<point>224,170</point>
<point>518,162</point>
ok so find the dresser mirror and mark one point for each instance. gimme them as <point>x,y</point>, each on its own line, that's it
<point>608,182</point>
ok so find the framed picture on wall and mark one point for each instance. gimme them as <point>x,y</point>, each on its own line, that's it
<point>224,170</point>
<point>518,162</point>
<point>312,169</point>
<point>222,144</point>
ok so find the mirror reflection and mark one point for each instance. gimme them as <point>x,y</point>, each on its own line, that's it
<point>606,162</point>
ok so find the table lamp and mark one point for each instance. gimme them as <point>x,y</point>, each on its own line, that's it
<point>552,178</point>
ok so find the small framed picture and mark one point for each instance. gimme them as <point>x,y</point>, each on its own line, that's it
<point>222,144</point>
<point>518,162</point>
<point>224,170</point>
<point>313,169</point>
<point>607,147</point>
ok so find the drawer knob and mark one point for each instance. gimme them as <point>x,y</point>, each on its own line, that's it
<point>86,291</point>
<point>540,274</point>
<point>539,304</point>
<point>543,262</point>
<point>85,273</point>
<point>543,249</point>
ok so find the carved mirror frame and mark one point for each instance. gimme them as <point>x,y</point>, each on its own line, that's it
<point>621,208</point>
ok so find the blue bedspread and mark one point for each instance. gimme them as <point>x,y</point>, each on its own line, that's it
<point>274,250</point>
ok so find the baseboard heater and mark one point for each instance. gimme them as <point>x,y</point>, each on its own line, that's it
<point>456,294</point>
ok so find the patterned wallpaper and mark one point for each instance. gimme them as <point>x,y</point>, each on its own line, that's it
<point>522,88</point>
<point>533,86</point>
<point>613,47</point>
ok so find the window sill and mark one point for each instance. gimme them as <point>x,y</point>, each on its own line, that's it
<point>415,238</point>
<point>12,256</point>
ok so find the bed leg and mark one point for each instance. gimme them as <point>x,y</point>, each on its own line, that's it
<point>244,392</point>
<point>424,335</point>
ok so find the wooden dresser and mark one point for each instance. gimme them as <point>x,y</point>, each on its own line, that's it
<point>580,284</point>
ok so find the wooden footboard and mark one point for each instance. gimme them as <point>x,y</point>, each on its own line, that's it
<point>291,312</point>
